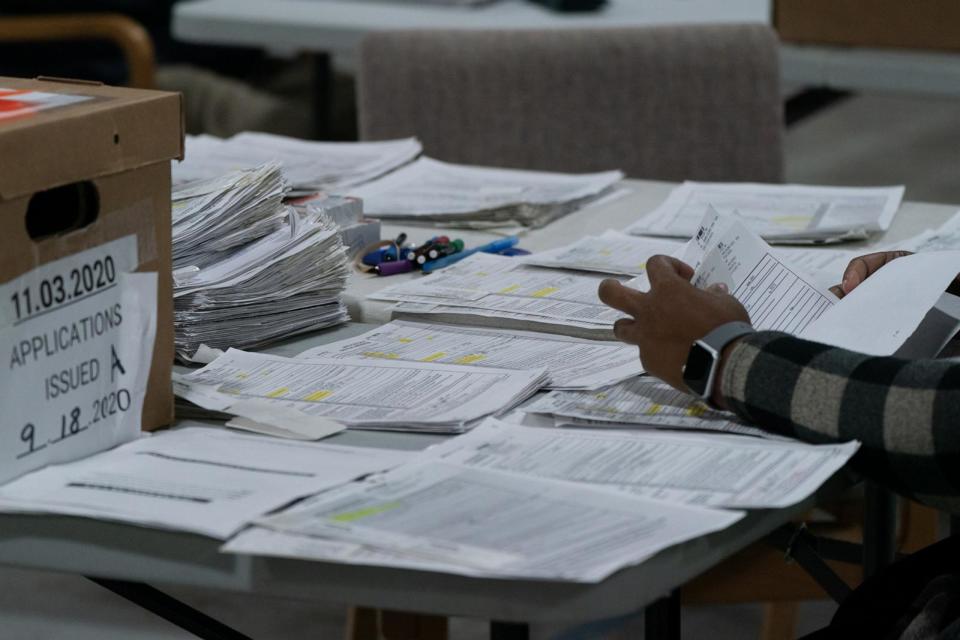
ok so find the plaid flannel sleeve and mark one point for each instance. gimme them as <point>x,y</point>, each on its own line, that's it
<point>905,412</point>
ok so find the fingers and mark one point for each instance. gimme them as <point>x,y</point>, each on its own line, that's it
<point>621,298</point>
<point>663,268</point>
<point>862,267</point>
<point>622,329</point>
<point>837,290</point>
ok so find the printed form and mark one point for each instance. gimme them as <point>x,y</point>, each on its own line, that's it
<point>200,479</point>
<point>721,471</point>
<point>777,212</point>
<point>485,523</point>
<point>498,283</point>
<point>571,363</point>
<point>362,393</point>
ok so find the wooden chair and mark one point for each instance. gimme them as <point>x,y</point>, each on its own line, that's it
<point>127,34</point>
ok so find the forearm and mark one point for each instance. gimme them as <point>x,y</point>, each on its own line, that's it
<point>905,413</point>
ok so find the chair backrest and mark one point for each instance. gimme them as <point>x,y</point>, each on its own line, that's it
<point>671,103</point>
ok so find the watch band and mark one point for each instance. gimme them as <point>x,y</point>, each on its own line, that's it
<point>725,334</point>
<point>703,360</point>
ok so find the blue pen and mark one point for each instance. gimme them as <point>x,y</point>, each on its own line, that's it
<point>490,247</point>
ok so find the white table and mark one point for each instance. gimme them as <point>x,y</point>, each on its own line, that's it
<point>336,27</point>
<point>140,555</point>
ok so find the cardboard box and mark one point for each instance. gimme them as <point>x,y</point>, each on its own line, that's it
<point>920,24</point>
<point>85,164</point>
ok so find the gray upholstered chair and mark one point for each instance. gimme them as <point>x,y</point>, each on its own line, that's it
<point>671,103</point>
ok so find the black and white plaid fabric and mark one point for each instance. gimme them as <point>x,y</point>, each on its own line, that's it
<point>905,412</point>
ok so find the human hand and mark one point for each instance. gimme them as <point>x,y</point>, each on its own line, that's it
<point>862,267</point>
<point>666,321</point>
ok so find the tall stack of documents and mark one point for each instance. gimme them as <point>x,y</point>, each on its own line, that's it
<point>308,166</point>
<point>479,197</point>
<point>217,215</point>
<point>288,282</point>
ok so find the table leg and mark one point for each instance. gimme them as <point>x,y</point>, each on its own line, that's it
<point>322,99</point>
<point>170,609</point>
<point>509,631</point>
<point>662,618</point>
<point>879,529</point>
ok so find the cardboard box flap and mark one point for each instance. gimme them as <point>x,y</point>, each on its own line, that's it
<point>54,133</point>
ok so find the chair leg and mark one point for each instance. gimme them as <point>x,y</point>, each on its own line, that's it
<point>374,624</point>
<point>362,624</point>
<point>779,621</point>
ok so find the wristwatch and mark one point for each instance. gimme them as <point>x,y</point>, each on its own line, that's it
<point>704,358</point>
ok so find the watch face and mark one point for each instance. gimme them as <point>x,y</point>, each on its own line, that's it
<point>696,373</point>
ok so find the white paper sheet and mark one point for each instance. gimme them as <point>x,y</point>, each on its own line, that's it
<point>200,479</point>
<point>945,238</point>
<point>775,293</point>
<point>571,363</point>
<point>362,393</point>
<point>777,212</point>
<point>77,334</point>
<point>487,523</point>
<point>714,470</point>
<point>613,252</point>
<point>885,310</point>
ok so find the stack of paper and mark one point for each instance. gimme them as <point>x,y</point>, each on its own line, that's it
<point>362,393</point>
<point>214,216</point>
<point>200,479</point>
<point>945,238</point>
<point>432,191</point>
<point>572,363</point>
<point>308,166</point>
<point>283,284</point>
<point>438,516</point>
<point>638,402</point>
<point>503,292</point>
<point>692,468</point>
<point>784,213</point>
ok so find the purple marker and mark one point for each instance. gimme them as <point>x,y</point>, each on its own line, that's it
<point>394,267</point>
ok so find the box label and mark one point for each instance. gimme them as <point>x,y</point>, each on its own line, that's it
<point>15,103</point>
<point>77,335</point>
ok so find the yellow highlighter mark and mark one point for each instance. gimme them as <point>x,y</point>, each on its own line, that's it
<point>696,410</point>
<point>381,354</point>
<point>605,252</point>
<point>470,359</point>
<point>654,409</point>
<point>317,396</point>
<point>602,395</point>
<point>433,356</point>
<point>352,516</point>
<point>510,289</point>
<point>243,376</point>
<point>795,222</point>
<point>276,393</point>
<point>405,340</point>
<point>543,293</point>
